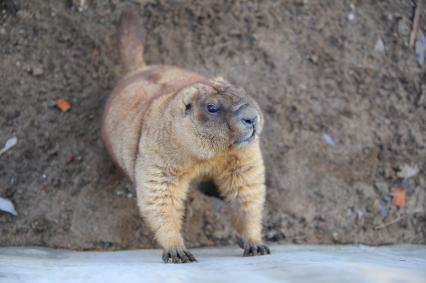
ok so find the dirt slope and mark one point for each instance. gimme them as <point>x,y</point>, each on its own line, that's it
<point>343,114</point>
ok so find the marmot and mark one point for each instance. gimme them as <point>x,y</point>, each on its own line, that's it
<point>165,126</point>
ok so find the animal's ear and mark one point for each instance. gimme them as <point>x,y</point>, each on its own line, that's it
<point>188,97</point>
<point>190,92</point>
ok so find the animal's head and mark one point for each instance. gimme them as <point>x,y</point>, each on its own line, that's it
<point>217,116</point>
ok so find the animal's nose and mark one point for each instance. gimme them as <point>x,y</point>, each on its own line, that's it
<point>249,121</point>
<point>247,116</point>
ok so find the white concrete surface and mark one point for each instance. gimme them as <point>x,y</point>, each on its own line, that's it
<point>286,264</point>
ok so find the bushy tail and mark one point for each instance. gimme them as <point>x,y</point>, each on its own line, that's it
<point>132,37</point>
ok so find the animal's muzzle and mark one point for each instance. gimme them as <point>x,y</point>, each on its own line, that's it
<point>245,122</point>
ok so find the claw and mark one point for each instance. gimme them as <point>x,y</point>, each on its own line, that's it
<point>177,255</point>
<point>254,250</point>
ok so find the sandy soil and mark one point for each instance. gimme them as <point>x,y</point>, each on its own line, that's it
<point>315,68</point>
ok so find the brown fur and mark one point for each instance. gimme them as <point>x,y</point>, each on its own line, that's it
<point>158,131</point>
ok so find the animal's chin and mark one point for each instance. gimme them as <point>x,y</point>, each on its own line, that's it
<point>246,139</point>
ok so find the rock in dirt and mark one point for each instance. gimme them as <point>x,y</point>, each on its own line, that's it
<point>379,47</point>
<point>421,48</point>
<point>408,171</point>
<point>328,139</point>
<point>9,144</point>
<point>7,206</point>
<point>37,71</point>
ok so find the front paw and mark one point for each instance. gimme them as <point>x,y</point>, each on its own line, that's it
<point>256,249</point>
<point>177,255</point>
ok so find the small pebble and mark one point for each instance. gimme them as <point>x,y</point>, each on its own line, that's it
<point>420,48</point>
<point>379,47</point>
<point>313,58</point>
<point>37,71</point>
<point>7,206</point>
<point>407,171</point>
<point>328,139</point>
<point>10,143</point>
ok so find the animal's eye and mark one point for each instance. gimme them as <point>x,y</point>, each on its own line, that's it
<point>212,108</point>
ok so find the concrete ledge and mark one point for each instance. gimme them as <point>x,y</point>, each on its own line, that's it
<point>405,263</point>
